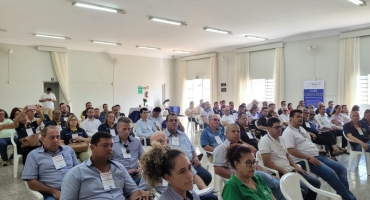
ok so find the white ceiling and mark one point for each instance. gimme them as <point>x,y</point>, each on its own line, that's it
<point>271,19</point>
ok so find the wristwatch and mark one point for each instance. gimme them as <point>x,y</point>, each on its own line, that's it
<point>308,159</point>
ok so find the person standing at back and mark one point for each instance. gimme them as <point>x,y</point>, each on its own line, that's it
<point>47,99</point>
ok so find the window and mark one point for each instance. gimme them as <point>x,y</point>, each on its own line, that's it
<point>197,89</point>
<point>261,89</point>
<point>363,90</point>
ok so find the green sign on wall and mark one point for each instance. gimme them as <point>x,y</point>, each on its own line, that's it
<point>140,90</point>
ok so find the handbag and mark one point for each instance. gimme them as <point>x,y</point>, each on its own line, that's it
<point>78,146</point>
<point>31,141</point>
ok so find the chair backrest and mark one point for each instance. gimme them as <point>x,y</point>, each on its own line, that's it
<point>198,119</point>
<point>256,124</point>
<point>290,187</point>
<point>259,158</point>
<point>15,152</point>
<point>350,146</point>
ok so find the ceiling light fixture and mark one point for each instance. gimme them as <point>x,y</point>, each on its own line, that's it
<point>97,7</point>
<point>167,21</point>
<point>217,30</point>
<point>51,36</point>
<point>145,47</point>
<point>181,51</point>
<point>108,43</point>
<point>358,2</point>
<point>255,37</point>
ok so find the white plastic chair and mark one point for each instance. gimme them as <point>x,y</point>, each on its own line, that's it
<point>260,163</point>
<point>291,189</point>
<point>205,160</point>
<point>37,194</point>
<point>140,138</point>
<point>192,126</point>
<point>164,113</point>
<point>16,156</point>
<point>199,120</point>
<point>357,155</point>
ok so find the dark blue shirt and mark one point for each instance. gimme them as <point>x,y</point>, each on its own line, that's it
<point>105,127</point>
<point>217,111</point>
<point>46,118</point>
<point>21,130</point>
<point>66,134</point>
<point>62,124</point>
<point>328,111</point>
<point>245,138</point>
<point>350,128</point>
<point>311,129</point>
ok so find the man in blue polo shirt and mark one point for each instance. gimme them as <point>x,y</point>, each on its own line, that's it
<point>213,135</point>
<point>366,118</point>
<point>47,165</point>
<point>127,149</point>
<point>65,112</point>
<point>329,109</point>
<point>359,132</point>
<point>144,127</point>
<point>56,121</point>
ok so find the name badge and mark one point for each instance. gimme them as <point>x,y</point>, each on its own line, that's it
<point>176,141</point>
<point>107,180</point>
<point>308,125</point>
<point>65,118</point>
<point>74,135</point>
<point>250,135</point>
<point>360,131</point>
<point>113,132</point>
<point>59,128</point>
<point>218,139</point>
<point>125,154</point>
<point>59,162</point>
<point>29,131</point>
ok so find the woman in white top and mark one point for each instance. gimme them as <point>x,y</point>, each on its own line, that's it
<point>345,114</point>
<point>337,117</point>
<point>190,113</point>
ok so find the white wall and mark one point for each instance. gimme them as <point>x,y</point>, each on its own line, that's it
<point>90,77</point>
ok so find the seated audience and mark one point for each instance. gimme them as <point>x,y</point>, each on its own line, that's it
<point>283,105</point>
<point>180,140</point>
<point>345,114</point>
<point>205,113</point>
<point>14,113</point>
<point>84,112</point>
<point>231,107</point>
<point>227,118</point>
<point>6,132</point>
<point>26,128</point>
<point>337,117</point>
<point>180,127</point>
<point>127,149</point>
<point>359,132</point>
<point>366,118</point>
<point>57,121</point>
<point>190,113</point>
<point>330,109</point>
<point>318,106</point>
<point>216,109</point>
<point>97,113</point>
<point>48,164</point>
<point>104,113</point>
<point>264,104</point>
<point>245,134</point>
<point>99,177</point>
<point>271,109</point>
<point>172,165</point>
<point>109,125</point>
<point>302,104</point>
<point>251,104</point>
<point>213,135</point>
<point>284,117</point>
<point>156,117</point>
<point>242,159</point>
<point>275,156</point>
<point>300,146</point>
<point>252,114</point>
<point>119,111</point>
<point>242,109</point>
<point>144,127</point>
<point>262,126</point>
<point>224,168</point>
<point>199,107</point>
<point>290,107</point>
<point>65,112</point>
<point>355,108</point>
<point>90,124</point>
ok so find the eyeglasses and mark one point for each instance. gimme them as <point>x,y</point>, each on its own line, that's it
<point>215,119</point>
<point>250,163</point>
<point>126,147</point>
<point>277,127</point>
<point>312,114</point>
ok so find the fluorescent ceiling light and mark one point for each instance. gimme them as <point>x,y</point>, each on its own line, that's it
<point>50,36</point>
<point>358,2</point>
<point>217,30</point>
<point>167,21</point>
<point>255,37</point>
<point>151,48</point>
<point>97,7</point>
<point>181,51</point>
<point>108,43</point>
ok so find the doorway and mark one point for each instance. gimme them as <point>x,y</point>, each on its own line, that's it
<point>55,90</point>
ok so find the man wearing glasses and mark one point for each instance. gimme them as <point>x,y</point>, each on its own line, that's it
<point>127,149</point>
<point>275,156</point>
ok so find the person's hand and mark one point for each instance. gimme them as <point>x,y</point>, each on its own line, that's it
<point>146,194</point>
<point>24,110</point>
<point>313,136</point>
<point>333,128</point>
<point>130,171</point>
<point>364,146</point>
<point>196,162</point>
<point>80,138</point>
<point>56,194</point>
<point>314,161</point>
<point>38,108</point>
<point>299,170</point>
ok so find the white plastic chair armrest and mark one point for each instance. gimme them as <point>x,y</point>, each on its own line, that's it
<point>37,194</point>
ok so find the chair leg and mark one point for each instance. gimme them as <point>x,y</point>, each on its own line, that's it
<point>350,161</point>
<point>15,168</point>
<point>358,160</point>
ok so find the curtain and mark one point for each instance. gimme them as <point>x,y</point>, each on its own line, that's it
<point>60,61</point>
<point>182,77</point>
<point>279,76</point>
<point>349,70</point>
<point>241,78</point>
<point>213,80</point>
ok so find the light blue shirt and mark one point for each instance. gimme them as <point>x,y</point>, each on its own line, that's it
<point>170,193</point>
<point>84,182</point>
<point>185,144</point>
<point>156,120</point>
<point>40,166</point>
<point>208,137</point>
<point>136,150</point>
<point>145,128</point>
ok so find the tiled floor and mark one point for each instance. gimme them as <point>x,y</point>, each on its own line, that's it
<point>15,189</point>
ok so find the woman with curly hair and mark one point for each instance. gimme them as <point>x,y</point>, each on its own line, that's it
<point>172,165</point>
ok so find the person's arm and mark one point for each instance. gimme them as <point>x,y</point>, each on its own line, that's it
<point>41,99</point>
<point>70,186</point>
<point>39,120</point>
<point>294,152</point>
<point>222,171</point>
<point>356,140</point>
<point>268,163</point>
<point>17,119</point>
<point>54,99</point>
<point>293,164</point>
<point>39,186</point>
<point>260,126</point>
<point>139,131</point>
<point>205,120</point>
<point>6,126</point>
<point>136,195</point>
<point>195,160</point>
<point>181,127</point>
<point>208,148</point>
<point>223,121</point>
<point>188,113</point>
<point>199,182</point>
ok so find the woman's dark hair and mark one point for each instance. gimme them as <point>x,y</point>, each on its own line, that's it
<point>165,101</point>
<point>157,162</point>
<point>12,113</point>
<point>289,104</point>
<point>234,153</point>
<point>344,106</point>
<point>254,107</point>
<point>5,113</point>
<point>335,109</point>
<point>356,108</point>
<point>106,116</point>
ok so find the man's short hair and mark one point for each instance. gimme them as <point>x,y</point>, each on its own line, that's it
<point>282,102</point>
<point>272,120</point>
<point>230,102</point>
<point>45,130</point>
<point>105,105</point>
<point>240,115</point>
<point>367,111</point>
<point>96,109</point>
<point>55,110</point>
<point>215,102</point>
<point>271,104</point>
<point>330,102</point>
<point>100,134</point>
<point>90,108</point>
<point>241,106</point>
<point>124,120</point>
<point>231,125</point>
<point>49,89</point>
<point>117,105</point>
<point>293,112</point>
<point>321,107</point>
<point>157,109</point>
<point>264,108</point>
<point>87,103</point>
<point>143,109</point>
<point>171,114</point>
<point>61,104</point>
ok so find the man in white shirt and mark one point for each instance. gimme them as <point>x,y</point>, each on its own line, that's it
<point>227,119</point>
<point>48,99</point>
<point>205,113</point>
<point>299,145</point>
<point>90,125</point>
<point>284,117</point>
